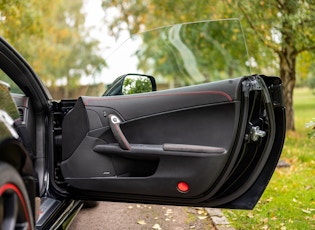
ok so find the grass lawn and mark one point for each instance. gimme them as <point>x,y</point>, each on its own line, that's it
<point>289,200</point>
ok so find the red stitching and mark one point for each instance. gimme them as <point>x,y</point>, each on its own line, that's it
<point>227,96</point>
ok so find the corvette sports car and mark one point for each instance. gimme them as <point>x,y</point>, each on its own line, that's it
<point>186,123</point>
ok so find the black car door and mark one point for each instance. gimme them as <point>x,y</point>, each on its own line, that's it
<point>213,144</point>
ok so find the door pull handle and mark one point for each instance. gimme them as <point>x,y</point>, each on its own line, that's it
<point>114,123</point>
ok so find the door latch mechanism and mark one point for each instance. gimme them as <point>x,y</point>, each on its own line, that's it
<point>256,133</point>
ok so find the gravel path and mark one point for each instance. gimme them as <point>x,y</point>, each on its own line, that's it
<point>110,215</point>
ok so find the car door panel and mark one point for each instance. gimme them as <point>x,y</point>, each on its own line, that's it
<point>192,134</point>
<point>185,126</point>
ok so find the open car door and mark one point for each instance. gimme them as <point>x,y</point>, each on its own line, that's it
<point>199,143</point>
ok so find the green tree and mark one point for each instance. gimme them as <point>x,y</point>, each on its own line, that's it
<point>139,15</point>
<point>52,37</point>
<point>287,28</point>
<point>20,22</point>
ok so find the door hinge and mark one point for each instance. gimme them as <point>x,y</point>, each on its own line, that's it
<point>251,84</point>
<point>256,133</point>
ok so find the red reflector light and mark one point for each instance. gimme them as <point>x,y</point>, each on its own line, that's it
<point>182,186</point>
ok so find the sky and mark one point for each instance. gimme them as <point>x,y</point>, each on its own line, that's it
<point>95,16</point>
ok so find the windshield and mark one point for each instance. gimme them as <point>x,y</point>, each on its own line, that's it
<point>181,55</point>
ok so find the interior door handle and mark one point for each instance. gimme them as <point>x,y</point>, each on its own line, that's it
<point>114,123</point>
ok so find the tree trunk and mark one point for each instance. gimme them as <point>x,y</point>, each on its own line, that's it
<point>287,73</point>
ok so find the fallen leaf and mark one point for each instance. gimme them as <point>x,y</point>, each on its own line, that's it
<point>202,217</point>
<point>169,211</point>
<point>306,211</point>
<point>308,187</point>
<point>141,222</point>
<point>265,227</point>
<point>269,199</point>
<point>201,212</point>
<point>250,215</point>
<point>307,218</point>
<point>157,226</point>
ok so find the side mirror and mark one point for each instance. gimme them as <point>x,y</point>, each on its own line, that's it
<point>131,84</point>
